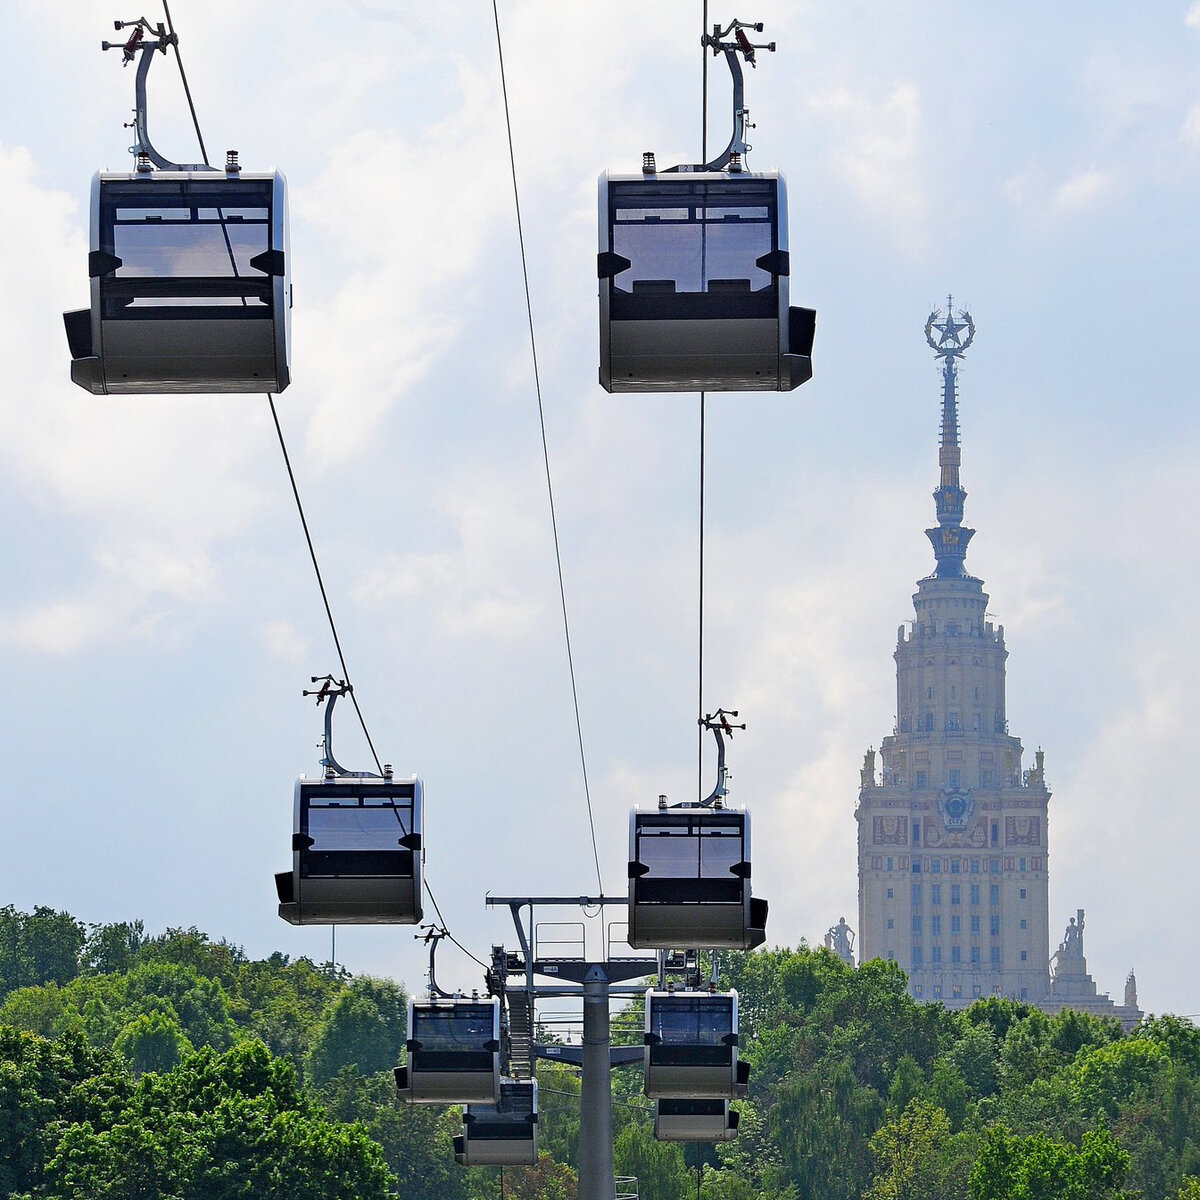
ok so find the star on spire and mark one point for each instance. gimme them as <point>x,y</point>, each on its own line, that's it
<point>949,342</point>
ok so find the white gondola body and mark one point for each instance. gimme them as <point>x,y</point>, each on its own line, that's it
<point>502,1134</point>
<point>691,1045</point>
<point>693,270</point>
<point>689,880</point>
<point>453,1052</point>
<point>190,290</point>
<point>356,853</point>
<point>694,1121</point>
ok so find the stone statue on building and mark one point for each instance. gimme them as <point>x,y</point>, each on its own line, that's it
<point>1131,1000</point>
<point>1070,950</point>
<point>868,768</point>
<point>840,939</point>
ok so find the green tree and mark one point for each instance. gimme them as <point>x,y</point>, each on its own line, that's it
<point>216,1126</point>
<point>416,1139</point>
<point>658,1166</point>
<point>911,1156</point>
<point>1011,1167</point>
<point>363,1027</point>
<point>152,1042</point>
<point>113,947</point>
<point>39,947</point>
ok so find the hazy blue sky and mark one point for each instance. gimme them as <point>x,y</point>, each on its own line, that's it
<point>159,617</point>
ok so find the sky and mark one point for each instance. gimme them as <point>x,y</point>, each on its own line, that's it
<point>159,617</point>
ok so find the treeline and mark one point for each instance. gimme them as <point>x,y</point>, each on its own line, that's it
<point>173,1067</point>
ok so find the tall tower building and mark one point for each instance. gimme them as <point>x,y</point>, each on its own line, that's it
<point>952,862</point>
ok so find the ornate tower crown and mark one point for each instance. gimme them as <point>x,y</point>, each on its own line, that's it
<point>949,332</point>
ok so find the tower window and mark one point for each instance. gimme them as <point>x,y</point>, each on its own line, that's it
<point>916,956</point>
<point>995,831</point>
<point>974,866</point>
<point>995,925</point>
<point>956,954</point>
<point>995,956</point>
<point>975,923</point>
<point>891,923</point>
<point>1022,893</point>
<point>937,925</point>
<point>955,774</point>
<point>922,779</point>
<point>935,893</point>
<point>1024,923</point>
<point>975,956</point>
<point>936,956</point>
<point>1024,955</point>
<point>916,893</point>
<point>891,893</point>
<point>974,893</point>
<point>956,924</point>
<point>916,831</point>
<point>955,894</point>
<point>994,894</point>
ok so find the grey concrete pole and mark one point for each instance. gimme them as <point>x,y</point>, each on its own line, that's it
<point>596,1180</point>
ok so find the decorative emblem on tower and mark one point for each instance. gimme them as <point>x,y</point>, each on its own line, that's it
<point>949,332</point>
<point>957,805</point>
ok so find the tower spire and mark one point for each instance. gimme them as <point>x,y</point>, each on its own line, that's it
<point>949,332</point>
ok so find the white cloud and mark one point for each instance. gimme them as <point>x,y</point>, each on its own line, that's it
<point>285,642</point>
<point>1032,189</point>
<point>1191,125</point>
<point>60,628</point>
<point>876,149</point>
<point>1082,191</point>
<point>1193,15</point>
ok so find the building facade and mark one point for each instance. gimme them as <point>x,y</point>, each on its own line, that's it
<point>952,826</point>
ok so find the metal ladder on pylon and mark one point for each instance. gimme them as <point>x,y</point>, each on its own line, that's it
<point>520,1034</point>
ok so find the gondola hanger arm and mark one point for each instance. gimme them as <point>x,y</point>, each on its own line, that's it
<point>721,728</point>
<point>731,158</point>
<point>332,689</point>
<point>139,46</point>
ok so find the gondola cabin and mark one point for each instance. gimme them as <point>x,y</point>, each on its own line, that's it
<point>692,1046</point>
<point>453,1052</point>
<point>689,880</point>
<point>189,284</point>
<point>502,1134</point>
<point>694,1121</point>
<point>693,269</point>
<point>356,853</point>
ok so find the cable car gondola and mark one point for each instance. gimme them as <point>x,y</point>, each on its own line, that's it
<point>453,1052</point>
<point>689,870</point>
<point>694,1121</point>
<point>501,1134</point>
<point>692,1045</point>
<point>694,265</point>
<point>189,272</point>
<point>356,853</point>
<point>689,880</point>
